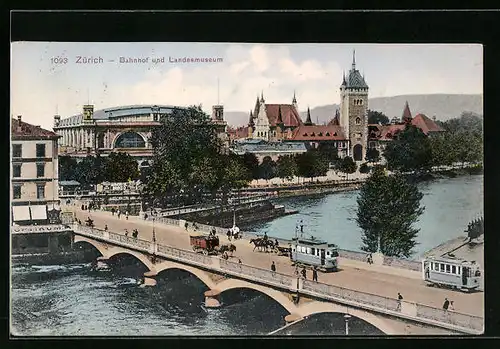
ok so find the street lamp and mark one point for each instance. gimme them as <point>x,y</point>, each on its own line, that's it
<point>346,318</point>
<point>154,233</point>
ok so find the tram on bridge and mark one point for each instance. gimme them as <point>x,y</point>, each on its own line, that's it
<point>451,272</point>
<point>313,252</point>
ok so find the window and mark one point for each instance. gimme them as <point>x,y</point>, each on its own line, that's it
<point>358,121</point>
<point>313,251</point>
<point>40,191</point>
<point>40,170</point>
<point>40,150</point>
<point>308,250</point>
<point>448,268</point>
<point>17,150</point>
<point>459,270</point>
<point>441,267</point>
<point>16,191</point>
<point>130,140</point>
<point>453,269</point>
<point>16,170</point>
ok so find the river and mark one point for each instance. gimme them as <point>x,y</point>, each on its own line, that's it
<point>450,204</point>
<point>70,300</point>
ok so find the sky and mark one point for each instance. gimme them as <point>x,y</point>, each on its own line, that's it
<point>42,86</point>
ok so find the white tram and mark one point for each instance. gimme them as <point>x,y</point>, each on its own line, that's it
<point>451,272</point>
<point>314,252</point>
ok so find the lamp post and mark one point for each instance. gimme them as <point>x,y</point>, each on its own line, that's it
<point>156,111</point>
<point>154,233</point>
<point>346,318</point>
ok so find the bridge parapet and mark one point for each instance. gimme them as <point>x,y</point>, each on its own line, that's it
<point>39,229</point>
<point>131,241</point>
<point>457,319</point>
<point>176,253</point>
<point>260,275</point>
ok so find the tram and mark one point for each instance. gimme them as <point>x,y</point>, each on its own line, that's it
<point>310,251</point>
<point>451,272</point>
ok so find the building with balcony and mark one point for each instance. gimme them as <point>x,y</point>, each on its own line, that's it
<point>34,172</point>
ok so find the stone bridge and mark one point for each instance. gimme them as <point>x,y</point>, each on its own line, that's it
<point>301,298</point>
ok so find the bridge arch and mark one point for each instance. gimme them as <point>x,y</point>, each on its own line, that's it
<point>200,274</point>
<point>317,307</point>
<point>276,295</point>
<point>101,248</point>
<point>140,256</point>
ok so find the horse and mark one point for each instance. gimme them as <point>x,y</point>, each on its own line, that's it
<point>260,243</point>
<point>227,248</point>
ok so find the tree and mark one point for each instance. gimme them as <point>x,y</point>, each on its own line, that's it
<point>409,151</point>
<point>328,151</point>
<point>183,144</point>
<point>286,167</point>
<point>91,170</point>
<point>252,164</point>
<point>120,167</point>
<point>67,168</point>
<point>372,155</point>
<point>375,117</point>
<point>267,169</point>
<point>311,164</point>
<point>347,166</point>
<point>364,168</point>
<point>388,206</point>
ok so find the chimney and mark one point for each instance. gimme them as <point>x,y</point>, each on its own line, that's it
<point>434,118</point>
<point>19,118</point>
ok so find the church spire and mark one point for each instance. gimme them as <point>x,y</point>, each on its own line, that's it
<point>250,119</point>
<point>406,113</point>
<point>308,120</point>
<point>353,59</point>
<point>262,96</point>
<point>344,83</point>
<point>294,101</point>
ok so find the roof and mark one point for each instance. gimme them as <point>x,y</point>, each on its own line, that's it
<point>117,112</point>
<point>355,80</point>
<point>310,241</point>
<point>23,130</point>
<point>425,124</point>
<point>289,114</point>
<point>384,132</point>
<point>318,133</point>
<point>335,121</point>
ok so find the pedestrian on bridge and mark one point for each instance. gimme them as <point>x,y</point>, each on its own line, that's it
<point>105,227</point>
<point>446,304</point>
<point>273,268</point>
<point>119,213</point>
<point>452,307</point>
<point>315,274</point>
<point>400,298</point>
<point>113,211</point>
<point>304,273</point>
<point>126,215</point>
<point>186,225</point>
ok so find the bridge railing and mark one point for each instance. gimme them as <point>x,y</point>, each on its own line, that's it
<point>260,274</point>
<point>351,295</point>
<point>402,263</point>
<point>451,317</point>
<point>90,231</point>
<point>131,241</point>
<point>164,220</point>
<point>353,255</point>
<point>168,251</point>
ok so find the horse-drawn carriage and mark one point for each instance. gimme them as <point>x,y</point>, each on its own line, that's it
<point>209,245</point>
<point>283,251</point>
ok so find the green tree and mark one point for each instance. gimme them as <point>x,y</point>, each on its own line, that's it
<point>67,168</point>
<point>267,169</point>
<point>185,140</point>
<point>364,168</point>
<point>252,164</point>
<point>286,167</point>
<point>409,151</point>
<point>329,151</point>
<point>311,164</point>
<point>347,166</point>
<point>91,170</point>
<point>388,206</point>
<point>372,155</point>
<point>375,117</point>
<point>120,167</point>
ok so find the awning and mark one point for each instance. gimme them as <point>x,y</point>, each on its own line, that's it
<point>38,212</point>
<point>21,213</point>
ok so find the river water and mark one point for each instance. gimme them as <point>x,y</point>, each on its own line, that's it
<point>71,300</point>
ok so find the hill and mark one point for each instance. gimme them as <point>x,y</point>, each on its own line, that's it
<point>443,106</point>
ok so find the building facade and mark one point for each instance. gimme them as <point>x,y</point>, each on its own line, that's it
<point>34,193</point>
<point>126,128</point>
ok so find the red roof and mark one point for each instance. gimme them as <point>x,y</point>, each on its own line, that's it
<point>335,121</point>
<point>318,133</point>
<point>23,130</point>
<point>289,114</point>
<point>384,132</point>
<point>425,124</point>
<point>240,132</point>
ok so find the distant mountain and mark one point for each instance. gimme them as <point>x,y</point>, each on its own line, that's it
<point>443,106</point>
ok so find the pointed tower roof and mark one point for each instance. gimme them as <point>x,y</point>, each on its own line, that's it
<point>353,59</point>
<point>262,96</point>
<point>280,116</point>
<point>336,119</point>
<point>406,113</point>
<point>294,100</point>
<point>344,83</point>
<point>355,80</point>
<point>250,119</point>
<point>308,120</point>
